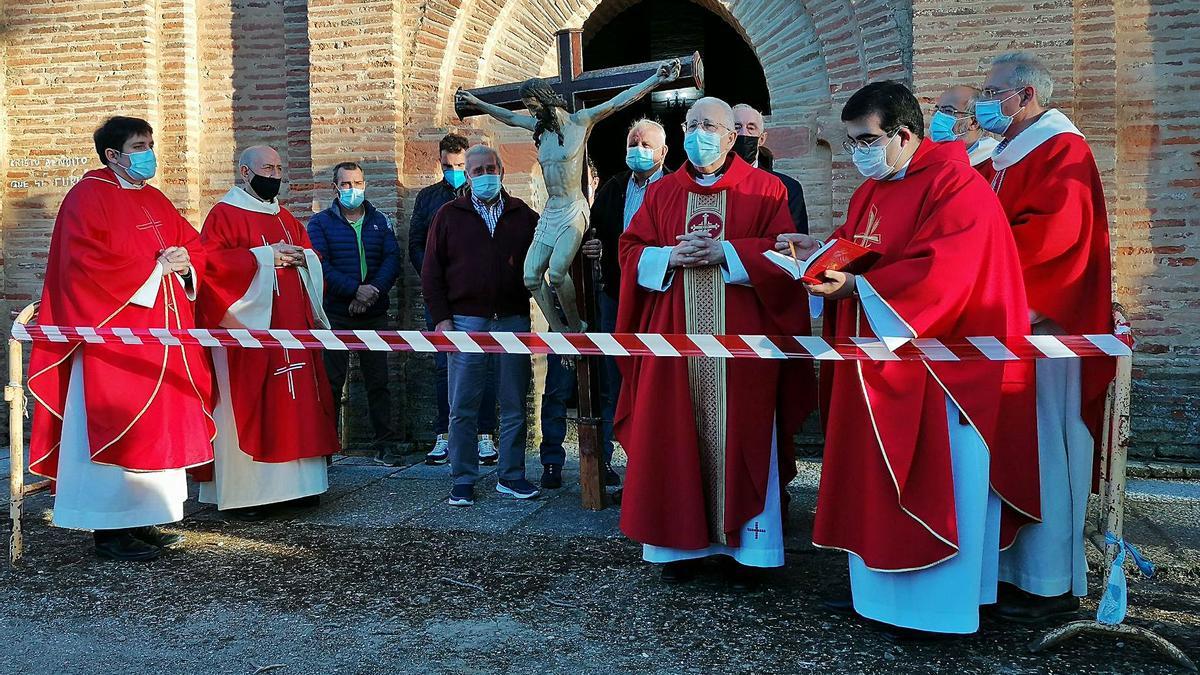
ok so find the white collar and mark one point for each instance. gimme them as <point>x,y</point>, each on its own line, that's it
<point>1050,124</point>
<point>126,185</point>
<point>982,150</point>
<point>239,198</point>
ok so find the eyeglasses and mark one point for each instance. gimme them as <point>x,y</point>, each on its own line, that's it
<point>990,93</point>
<point>852,144</point>
<point>707,125</point>
<point>951,110</point>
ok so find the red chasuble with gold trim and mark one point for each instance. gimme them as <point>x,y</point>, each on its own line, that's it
<point>149,406</point>
<point>280,397</point>
<point>949,269</point>
<point>1054,201</point>
<point>698,430</point>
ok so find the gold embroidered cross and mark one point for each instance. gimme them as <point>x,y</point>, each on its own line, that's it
<point>869,236</point>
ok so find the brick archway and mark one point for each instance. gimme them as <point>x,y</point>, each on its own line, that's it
<point>814,54</point>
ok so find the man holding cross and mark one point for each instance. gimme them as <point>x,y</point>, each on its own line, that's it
<point>275,412</point>
<point>561,139</point>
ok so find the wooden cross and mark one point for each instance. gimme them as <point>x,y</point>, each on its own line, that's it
<point>578,87</point>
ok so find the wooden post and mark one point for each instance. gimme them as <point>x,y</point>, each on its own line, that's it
<point>14,394</point>
<point>587,369</point>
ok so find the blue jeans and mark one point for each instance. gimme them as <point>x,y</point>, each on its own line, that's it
<point>487,407</point>
<point>467,382</point>
<point>560,381</point>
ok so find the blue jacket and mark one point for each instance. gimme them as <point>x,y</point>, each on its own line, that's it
<point>334,240</point>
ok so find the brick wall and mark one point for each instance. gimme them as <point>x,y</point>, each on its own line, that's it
<point>325,80</point>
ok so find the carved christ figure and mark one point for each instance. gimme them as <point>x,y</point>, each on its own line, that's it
<point>561,139</point>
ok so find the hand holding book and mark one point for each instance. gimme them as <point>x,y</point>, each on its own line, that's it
<point>835,255</point>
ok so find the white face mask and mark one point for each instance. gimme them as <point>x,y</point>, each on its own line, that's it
<point>872,162</point>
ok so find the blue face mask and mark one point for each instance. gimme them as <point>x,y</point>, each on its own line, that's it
<point>142,165</point>
<point>941,127</point>
<point>455,177</point>
<point>640,159</point>
<point>486,187</point>
<point>990,117</point>
<point>703,148</point>
<point>351,198</point>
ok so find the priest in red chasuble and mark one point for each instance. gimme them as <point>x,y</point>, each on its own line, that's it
<point>115,425</point>
<point>929,467</point>
<point>274,411</point>
<point>709,440</point>
<point>1046,177</point>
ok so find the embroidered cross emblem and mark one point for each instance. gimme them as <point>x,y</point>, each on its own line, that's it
<point>153,224</point>
<point>757,530</point>
<point>289,370</point>
<point>870,236</point>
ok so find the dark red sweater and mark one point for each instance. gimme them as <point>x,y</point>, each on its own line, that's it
<point>468,271</point>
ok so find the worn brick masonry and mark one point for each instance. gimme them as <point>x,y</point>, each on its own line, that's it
<point>373,80</point>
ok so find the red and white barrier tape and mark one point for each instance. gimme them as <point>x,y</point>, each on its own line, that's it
<point>1008,348</point>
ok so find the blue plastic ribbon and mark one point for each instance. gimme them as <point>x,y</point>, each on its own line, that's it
<point>1115,601</point>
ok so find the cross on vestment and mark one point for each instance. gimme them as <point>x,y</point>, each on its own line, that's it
<point>289,370</point>
<point>578,88</point>
<point>757,530</point>
<point>869,236</point>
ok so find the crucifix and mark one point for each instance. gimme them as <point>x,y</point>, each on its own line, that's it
<point>561,121</point>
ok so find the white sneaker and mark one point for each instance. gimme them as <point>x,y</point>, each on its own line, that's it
<point>440,454</point>
<point>487,450</point>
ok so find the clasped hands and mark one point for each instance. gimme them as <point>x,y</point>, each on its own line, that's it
<point>288,255</point>
<point>836,285</point>
<point>364,297</point>
<point>175,259</point>
<point>696,250</point>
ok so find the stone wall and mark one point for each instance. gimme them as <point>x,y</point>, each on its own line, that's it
<point>327,80</point>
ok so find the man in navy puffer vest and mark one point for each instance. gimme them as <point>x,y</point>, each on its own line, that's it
<point>362,261</point>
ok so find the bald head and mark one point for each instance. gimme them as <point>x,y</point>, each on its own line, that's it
<point>261,160</point>
<point>648,131</point>
<point>961,97</point>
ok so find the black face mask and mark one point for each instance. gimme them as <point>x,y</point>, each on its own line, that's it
<point>264,186</point>
<point>747,148</point>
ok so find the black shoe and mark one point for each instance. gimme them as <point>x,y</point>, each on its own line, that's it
<point>680,571</point>
<point>611,478</point>
<point>840,604</point>
<point>156,537</point>
<point>743,578</point>
<point>248,514</point>
<point>898,635</point>
<point>551,476</point>
<point>462,495</point>
<point>387,455</point>
<point>122,545</point>
<point>1036,609</point>
<point>519,489</point>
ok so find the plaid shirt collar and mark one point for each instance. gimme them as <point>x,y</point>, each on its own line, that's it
<point>489,212</point>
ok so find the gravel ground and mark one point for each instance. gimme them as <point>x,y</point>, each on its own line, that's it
<point>384,578</point>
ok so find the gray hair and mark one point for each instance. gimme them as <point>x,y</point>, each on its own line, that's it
<point>476,150</point>
<point>647,122</point>
<point>1028,71</point>
<point>762,123</point>
<point>725,112</point>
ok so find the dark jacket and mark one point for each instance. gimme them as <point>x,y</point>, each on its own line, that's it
<point>608,219</point>
<point>334,240</point>
<point>429,200</point>
<point>470,272</point>
<point>796,206</point>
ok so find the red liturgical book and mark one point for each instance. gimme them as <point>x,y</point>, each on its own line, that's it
<point>841,255</point>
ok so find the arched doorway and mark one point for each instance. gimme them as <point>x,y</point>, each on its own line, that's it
<point>651,30</point>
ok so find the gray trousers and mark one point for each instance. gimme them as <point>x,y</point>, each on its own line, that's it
<point>468,375</point>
